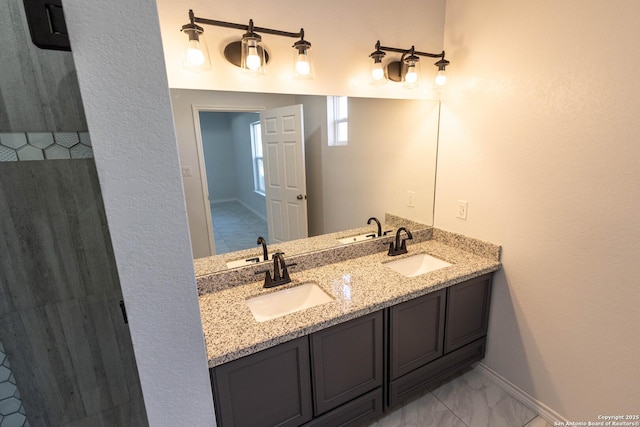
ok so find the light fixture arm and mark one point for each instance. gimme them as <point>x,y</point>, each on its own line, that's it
<point>411,51</point>
<point>244,27</point>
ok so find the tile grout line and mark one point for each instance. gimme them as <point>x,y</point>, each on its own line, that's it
<point>450,410</point>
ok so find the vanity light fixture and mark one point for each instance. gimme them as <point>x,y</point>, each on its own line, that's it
<point>407,69</point>
<point>249,54</point>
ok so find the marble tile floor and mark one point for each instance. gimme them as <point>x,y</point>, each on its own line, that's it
<point>235,227</point>
<point>469,400</point>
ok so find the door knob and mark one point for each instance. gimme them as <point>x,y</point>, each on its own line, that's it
<point>300,197</point>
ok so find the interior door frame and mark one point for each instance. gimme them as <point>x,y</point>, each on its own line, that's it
<point>196,110</point>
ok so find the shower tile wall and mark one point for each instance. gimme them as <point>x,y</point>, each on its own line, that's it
<point>69,349</point>
<point>11,409</point>
<point>20,146</point>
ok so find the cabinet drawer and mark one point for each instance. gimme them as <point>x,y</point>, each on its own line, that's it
<point>467,312</point>
<point>417,381</point>
<point>269,388</point>
<point>346,361</point>
<point>417,329</point>
<point>357,412</point>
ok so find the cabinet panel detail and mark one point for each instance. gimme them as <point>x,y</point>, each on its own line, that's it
<point>417,330</point>
<point>417,381</point>
<point>347,361</point>
<point>357,412</point>
<point>467,312</point>
<point>269,388</point>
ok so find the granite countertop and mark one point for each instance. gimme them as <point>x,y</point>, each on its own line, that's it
<point>359,285</point>
<point>215,264</point>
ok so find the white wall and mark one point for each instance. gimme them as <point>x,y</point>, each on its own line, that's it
<point>391,150</point>
<point>540,134</point>
<point>342,34</point>
<point>241,131</point>
<point>219,155</point>
<point>126,100</point>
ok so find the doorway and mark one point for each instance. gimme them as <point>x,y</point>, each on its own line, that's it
<point>247,195</point>
<point>235,185</point>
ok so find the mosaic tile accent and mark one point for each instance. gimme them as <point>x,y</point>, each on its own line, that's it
<point>13,140</point>
<point>20,146</point>
<point>80,151</point>
<point>12,413</point>
<point>7,154</point>
<point>40,139</point>
<point>66,139</point>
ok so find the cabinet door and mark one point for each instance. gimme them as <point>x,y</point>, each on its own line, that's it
<point>467,311</point>
<point>417,328</point>
<point>269,388</point>
<point>346,361</point>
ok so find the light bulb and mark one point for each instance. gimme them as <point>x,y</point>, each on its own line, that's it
<point>195,56</point>
<point>253,59</point>
<point>302,65</point>
<point>441,78</point>
<point>377,73</point>
<point>412,74</point>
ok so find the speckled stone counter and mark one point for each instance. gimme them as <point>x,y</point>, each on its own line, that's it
<point>216,264</point>
<point>358,285</point>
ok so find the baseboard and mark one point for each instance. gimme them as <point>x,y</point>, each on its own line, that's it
<point>546,413</point>
<point>249,207</point>
<point>213,202</point>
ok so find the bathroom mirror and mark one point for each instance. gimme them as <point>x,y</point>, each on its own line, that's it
<point>386,166</point>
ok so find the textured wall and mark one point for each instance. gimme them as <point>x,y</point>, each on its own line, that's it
<point>126,100</point>
<point>540,134</point>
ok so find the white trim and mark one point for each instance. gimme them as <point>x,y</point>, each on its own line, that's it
<point>543,411</point>
<point>196,109</point>
<point>213,202</point>
<point>203,178</point>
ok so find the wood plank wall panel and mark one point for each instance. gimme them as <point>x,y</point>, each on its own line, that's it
<point>38,88</point>
<point>60,319</point>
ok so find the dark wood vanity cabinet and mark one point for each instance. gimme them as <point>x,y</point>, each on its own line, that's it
<point>346,361</point>
<point>467,312</point>
<point>436,336</point>
<point>416,331</point>
<point>343,365</point>
<point>347,374</point>
<point>268,388</point>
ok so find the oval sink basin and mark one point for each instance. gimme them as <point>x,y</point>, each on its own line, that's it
<point>276,304</point>
<point>417,264</point>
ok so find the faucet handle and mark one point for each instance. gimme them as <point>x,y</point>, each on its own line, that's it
<point>267,277</point>
<point>285,271</point>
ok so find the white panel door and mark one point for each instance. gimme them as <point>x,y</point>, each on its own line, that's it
<point>284,173</point>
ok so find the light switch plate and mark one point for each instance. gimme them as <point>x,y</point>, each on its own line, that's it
<point>462,209</point>
<point>411,199</point>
